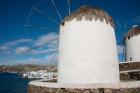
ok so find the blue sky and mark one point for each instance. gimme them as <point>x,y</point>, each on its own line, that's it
<point>16,38</point>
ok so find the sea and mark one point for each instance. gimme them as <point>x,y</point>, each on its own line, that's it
<point>13,83</point>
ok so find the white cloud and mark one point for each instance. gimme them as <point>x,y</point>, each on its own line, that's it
<point>4,48</point>
<point>33,61</point>
<point>54,44</point>
<point>23,49</point>
<point>52,59</point>
<point>49,49</point>
<point>120,49</point>
<point>46,39</point>
<point>47,60</point>
<point>13,43</point>
<point>48,43</point>
<point>136,19</point>
<point>44,51</point>
<point>8,47</point>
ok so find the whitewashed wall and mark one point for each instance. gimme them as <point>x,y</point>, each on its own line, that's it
<point>133,48</point>
<point>87,53</point>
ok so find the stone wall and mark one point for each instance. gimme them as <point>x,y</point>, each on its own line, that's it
<point>130,71</point>
<point>36,89</point>
<point>129,66</point>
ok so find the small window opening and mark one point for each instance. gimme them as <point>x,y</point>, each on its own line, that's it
<point>130,59</point>
<point>63,23</point>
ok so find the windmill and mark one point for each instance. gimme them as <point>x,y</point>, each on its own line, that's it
<point>42,14</point>
<point>30,25</point>
<point>129,24</point>
<point>47,16</point>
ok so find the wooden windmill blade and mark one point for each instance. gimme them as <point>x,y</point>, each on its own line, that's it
<point>53,3</point>
<point>69,6</point>
<point>40,27</point>
<point>45,15</point>
<point>36,47</point>
<point>29,24</point>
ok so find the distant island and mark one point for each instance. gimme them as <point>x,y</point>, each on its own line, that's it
<point>128,71</point>
<point>31,71</point>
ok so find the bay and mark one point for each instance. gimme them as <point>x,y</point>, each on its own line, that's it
<point>13,83</point>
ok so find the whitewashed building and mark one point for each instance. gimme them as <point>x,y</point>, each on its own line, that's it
<point>132,42</point>
<point>87,48</point>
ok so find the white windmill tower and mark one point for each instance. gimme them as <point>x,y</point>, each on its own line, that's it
<point>132,42</point>
<point>87,45</point>
<point>87,49</point>
<point>133,23</point>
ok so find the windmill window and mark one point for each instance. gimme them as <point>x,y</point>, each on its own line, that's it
<point>129,37</point>
<point>130,59</point>
<point>63,23</point>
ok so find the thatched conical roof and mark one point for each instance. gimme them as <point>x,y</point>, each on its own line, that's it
<point>89,13</point>
<point>133,32</point>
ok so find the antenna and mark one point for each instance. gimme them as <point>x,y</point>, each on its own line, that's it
<point>56,9</point>
<point>69,6</point>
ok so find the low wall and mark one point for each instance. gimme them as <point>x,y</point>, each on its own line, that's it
<point>129,72</point>
<point>129,66</point>
<point>46,87</point>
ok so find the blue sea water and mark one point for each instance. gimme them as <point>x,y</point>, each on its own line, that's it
<point>13,83</point>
